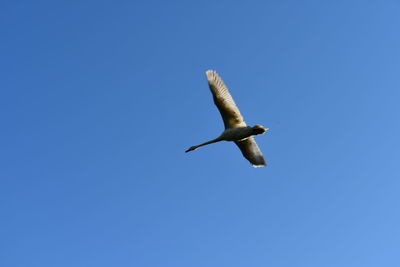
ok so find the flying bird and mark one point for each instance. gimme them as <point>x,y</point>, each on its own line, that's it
<point>236,129</point>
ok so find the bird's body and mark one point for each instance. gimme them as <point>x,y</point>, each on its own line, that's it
<point>236,129</point>
<point>236,134</point>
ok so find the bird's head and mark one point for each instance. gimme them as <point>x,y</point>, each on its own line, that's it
<point>258,129</point>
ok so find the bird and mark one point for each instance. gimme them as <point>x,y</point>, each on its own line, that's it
<point>236,130</point>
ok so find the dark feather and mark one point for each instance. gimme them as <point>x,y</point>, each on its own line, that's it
<point>251,152</point>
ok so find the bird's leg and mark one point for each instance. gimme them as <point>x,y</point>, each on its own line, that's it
<point>203,144</point>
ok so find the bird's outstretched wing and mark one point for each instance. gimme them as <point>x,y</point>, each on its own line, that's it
<point>224,101</point>
<point>251,152</point>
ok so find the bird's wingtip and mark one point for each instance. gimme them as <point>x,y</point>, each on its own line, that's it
<point>259,166</point>
<point>210,73</point>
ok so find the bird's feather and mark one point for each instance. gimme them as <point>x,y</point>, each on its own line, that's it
<point>224,101</point>
<point>251,152</point>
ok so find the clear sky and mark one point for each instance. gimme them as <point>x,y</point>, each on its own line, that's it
<point>100,99</point>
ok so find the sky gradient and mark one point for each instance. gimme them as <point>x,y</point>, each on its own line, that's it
<point>100,99</point>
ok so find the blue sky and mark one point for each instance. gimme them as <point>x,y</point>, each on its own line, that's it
<point>99,100</point>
